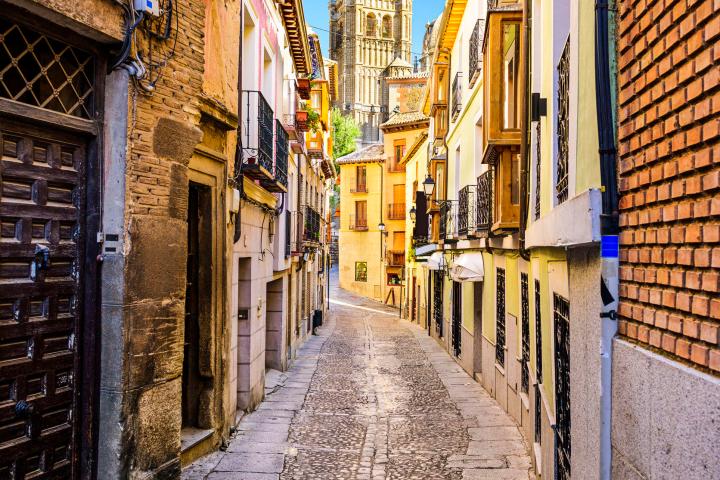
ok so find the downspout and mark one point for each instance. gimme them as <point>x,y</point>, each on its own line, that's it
<point>238,146</point>
<point>524,133</point>
<point>609,225</point>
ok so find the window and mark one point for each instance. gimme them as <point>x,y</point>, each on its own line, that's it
<point>393,279</point>
<point>561,317</point>
<point>387,26</point>
<point>500,317</point>
<point>360,179</point>
<point>563,124</point>
<point>399,152</point>
<point>525,324</point>
<point>538,334</point>
<point>361,271</point>
<point>510,74</point>
<point>370,25</point>
<point>359,221</point>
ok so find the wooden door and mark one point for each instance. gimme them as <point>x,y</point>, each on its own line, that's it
<point>42,235</point>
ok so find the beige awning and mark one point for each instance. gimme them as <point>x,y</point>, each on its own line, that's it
<point>468,267</point>
<point>436,261</point>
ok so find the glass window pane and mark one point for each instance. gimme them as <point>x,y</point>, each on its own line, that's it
<point>511,60</point>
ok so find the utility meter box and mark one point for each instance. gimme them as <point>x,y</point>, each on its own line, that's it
<point>150,7</point>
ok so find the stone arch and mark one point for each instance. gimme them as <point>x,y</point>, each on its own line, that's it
<point>371,25</point>
<point>387,27</point>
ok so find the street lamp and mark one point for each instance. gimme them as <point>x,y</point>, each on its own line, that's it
<point>428,186</point>
<point>381,227</point>
<point>413,213</point>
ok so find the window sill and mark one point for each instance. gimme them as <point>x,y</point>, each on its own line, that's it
<point>575,222</point>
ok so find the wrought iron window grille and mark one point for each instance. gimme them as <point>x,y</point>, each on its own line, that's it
<point>561,317</point>
<point>449,220</point>
<point>563,124</point>
<point>485,203</point>
<point>282,144</point>
<point>311,231</point>
<point>457,319</point>
<point>538,148</point>
<point>39,70</point>
<point>257,132</point>
<point>475,48</point>
<point>438,301</point>
<point>525,324</point>
<point>467,216</point>
<point>500,317</point>
<point>538,334</point>
<point>456,96</point>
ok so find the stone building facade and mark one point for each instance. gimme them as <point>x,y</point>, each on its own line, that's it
<point>144,230</point>
<point>669,146</point>
<point>366,36</point>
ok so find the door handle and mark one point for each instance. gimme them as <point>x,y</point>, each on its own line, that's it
<point>40,263</point>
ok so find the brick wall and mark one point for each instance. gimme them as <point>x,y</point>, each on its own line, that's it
<point>669,174</point>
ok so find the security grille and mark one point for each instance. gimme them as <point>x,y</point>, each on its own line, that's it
<point>538,146</point>
<point>438,302</point>
<point>538,334</point>
<point>561,316</point>
<point>44,72</point>
<point>500,316</point>
<point>563,124</point>
<point>475,57</point>
<point>484,203</point>
<point>525,306</point>
<point>538,424</point>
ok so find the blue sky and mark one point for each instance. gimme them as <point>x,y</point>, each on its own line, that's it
<point>316,15</point>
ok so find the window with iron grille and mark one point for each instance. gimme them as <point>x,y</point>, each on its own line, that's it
<point>456,95</point>
<point>561,317</point>
<point>44,72</point>
<point>500,317</point>
<point>288,233</point>
<point>282,146</point>
<point>438,301</point>
<point>538,334</point>
<point>475,58</point>
<point>485,203</point>
<point>538,418</point>
<point>525,320</point>
<point>563,124</point>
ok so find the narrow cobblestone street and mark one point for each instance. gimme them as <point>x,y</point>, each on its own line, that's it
<point>371,397</point>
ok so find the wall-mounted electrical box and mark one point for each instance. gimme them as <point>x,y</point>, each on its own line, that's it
<point>150,7</point>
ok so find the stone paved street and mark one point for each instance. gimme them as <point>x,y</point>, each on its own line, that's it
<point>371,397</point>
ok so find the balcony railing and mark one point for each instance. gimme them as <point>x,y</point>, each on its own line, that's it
<point>476,39</point>
<point>282,144</point>
<point>311,232</point>
<point>395,258</point>
<point>257,136</point>
<point>358,224</point>
<point>395,167</point>
<point>288,233</point>
<point>396,211</point>
<point>359,188</point>
<point>467,216</point>
<point>449,221</point>
<point>290,127</point>
<point>296,226</point>
<point>484,203</point>
<point>315,145</point>
<point>456,95</point>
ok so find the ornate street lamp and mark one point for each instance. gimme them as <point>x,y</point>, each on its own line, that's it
<point>413,214</point>
<point>428,186</point>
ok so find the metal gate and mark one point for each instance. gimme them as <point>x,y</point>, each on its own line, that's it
<point>47,249</point>
<point>561,309</point>
<point>457,318</point>
<point>438,301</point>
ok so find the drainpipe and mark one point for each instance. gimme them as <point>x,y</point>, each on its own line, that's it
<point>524,133</point>
<point>238,144</point>
<point>609,225</point>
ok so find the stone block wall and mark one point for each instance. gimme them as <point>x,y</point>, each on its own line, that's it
<point>669,176</point>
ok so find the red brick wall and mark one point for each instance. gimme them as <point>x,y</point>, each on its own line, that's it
<point>669,167</point>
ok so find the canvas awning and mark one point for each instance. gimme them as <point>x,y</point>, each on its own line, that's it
<point>468,267</point>
<point>436,261</point>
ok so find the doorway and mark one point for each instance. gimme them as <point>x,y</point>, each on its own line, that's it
<point>274,324</point>
<point>456,333</point>
<point>198,307</point>
<point>477,327</point>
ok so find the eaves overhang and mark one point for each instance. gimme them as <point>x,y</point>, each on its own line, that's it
<point>293,18</point>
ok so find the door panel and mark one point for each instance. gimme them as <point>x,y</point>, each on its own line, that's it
<point>42,196</point>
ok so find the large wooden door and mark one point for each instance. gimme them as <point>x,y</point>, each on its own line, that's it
<point>42,234</point>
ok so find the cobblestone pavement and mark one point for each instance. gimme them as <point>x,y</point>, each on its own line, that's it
<point>371,397</point>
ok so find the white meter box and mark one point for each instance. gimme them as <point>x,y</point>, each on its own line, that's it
<point>151,7</point>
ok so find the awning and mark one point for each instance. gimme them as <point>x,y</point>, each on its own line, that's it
<point>468,267</point>
<point>436,261</point>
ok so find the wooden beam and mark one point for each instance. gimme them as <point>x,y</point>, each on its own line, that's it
<point>62,120</point>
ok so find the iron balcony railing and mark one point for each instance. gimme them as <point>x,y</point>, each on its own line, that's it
<point>467,215</point>
<point>396,211</point>
<point>296,227</point>
<point>359,188</point>
<point>256,135</point>
<point>449,220</point>
<point>395,258</point>
<point>476,39</point>
<point>282,144</point>
<point>456,96</point>
<point>358,224</point>
<point>288,233</point>
<point>484,193</point>
<point>311,231</point>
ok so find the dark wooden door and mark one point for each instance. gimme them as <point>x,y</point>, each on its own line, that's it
<point>456,318</point>
<point>42,234</point>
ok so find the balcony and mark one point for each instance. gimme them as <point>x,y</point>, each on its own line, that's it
<point>359,188</point>
<point>279,183</point>
<point>467,216</point>
<point>475,47</point>
<point>456,96</point>
<point>295,228</point>
<point>395,167</point>
<point>395,258</point>
<point>358,224</point>
<point>289,125</point>
<point>311,231</point>
<point>316,145</point>
<point>257,136</point>
<point>298,146</point>
<point>485,202</point>
<point>396,211</point>
<point>449,221</point>
<point>301,121</point>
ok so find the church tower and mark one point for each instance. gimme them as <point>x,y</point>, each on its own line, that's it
<point>366,36</point>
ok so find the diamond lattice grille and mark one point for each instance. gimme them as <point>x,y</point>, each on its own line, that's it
<point>41,71</point>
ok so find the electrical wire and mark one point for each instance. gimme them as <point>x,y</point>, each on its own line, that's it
<point>346,37</point>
